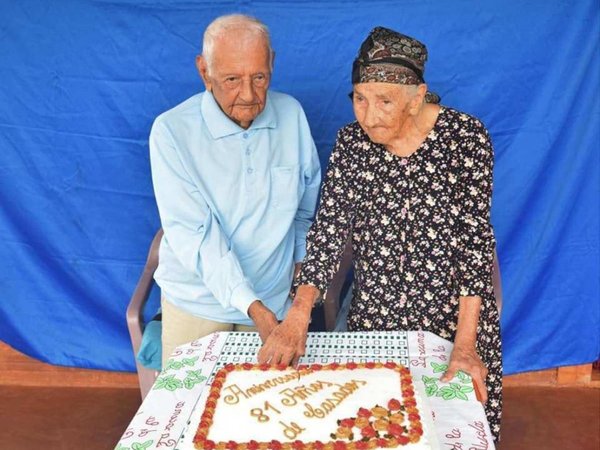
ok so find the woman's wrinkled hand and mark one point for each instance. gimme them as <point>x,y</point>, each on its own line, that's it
<point>466,359</point>
<point>287,342</point>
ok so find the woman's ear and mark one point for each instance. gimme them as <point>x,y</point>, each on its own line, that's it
<point>421,91</point>
<point>416,103</point>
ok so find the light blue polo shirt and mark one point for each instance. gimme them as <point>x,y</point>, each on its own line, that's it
<point>235,205</point>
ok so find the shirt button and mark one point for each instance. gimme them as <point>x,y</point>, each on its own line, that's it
<point>245,135</point>
<point>250,170</point>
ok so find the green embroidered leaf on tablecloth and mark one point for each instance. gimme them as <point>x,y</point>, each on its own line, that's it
<point>168,382</point>
<point>141,446</point>
<point>172,364</point>
<point>431,389</point>
<point>193,378</point>
<point>447,393</point>
<point>176,365</point>
<point>189,361</point>
<point>438,368</point>
<point>454,390</point>
<point>428,380</point>
<point>463,377</point>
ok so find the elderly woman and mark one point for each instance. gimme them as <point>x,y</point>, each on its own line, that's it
<point>411,183</point>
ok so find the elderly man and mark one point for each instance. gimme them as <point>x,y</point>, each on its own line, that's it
<point>236,178</point>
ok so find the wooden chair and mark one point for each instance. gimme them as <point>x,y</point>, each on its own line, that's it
<point>135,318</point>
<point>331,306</point>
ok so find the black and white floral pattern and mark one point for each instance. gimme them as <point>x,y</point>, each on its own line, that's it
<point>421,235</point>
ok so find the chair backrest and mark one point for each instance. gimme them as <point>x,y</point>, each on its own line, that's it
<point>135,309</point>
<point>497,281</point>
<point>332,298</point>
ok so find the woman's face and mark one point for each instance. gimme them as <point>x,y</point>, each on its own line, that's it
<point>382,110</point>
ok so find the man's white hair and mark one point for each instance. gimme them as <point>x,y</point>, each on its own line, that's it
<point>221,25</point>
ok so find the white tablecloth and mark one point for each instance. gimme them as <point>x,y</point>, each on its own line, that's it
<point>162,418</point>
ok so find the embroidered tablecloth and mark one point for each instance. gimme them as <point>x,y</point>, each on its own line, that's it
<point>163,416</point>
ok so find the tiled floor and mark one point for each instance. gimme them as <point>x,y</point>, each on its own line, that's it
<point>31,418</point>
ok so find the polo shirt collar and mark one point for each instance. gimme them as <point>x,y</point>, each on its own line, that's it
<point>219,125</point>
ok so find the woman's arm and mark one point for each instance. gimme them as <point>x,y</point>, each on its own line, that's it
<point>474,255</point>
<point>464,355</point>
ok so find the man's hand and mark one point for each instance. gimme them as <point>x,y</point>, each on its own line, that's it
<point>263,318</point>
<point>286,343</point>
<point>465,358</point>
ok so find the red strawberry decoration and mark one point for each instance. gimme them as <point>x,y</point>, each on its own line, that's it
<point>394,405</point>
<point>364,412</point>
<point>275,445</point>
<point>395,429</point>
<point>348,423</point>
<point>368,432</point>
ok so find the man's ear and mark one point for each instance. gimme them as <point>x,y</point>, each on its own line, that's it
<point>272,60</point>
<point>202,67</point>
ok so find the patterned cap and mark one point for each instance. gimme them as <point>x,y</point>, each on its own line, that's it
<point>387,56</point>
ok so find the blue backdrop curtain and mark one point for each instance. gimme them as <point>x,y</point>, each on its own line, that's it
<point>81,81</point>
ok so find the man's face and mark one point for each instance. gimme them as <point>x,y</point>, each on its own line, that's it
<point>238,76</point>
<point>381,110</point>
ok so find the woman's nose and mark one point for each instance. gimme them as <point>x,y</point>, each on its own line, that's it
<point>370,116</point>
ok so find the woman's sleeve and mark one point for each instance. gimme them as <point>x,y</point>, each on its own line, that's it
<point>474,196</point>
<point>328,234</point>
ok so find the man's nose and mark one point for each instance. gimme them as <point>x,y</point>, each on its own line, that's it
<point>247,91</point>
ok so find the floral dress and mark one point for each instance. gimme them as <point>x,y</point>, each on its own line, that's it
<point>421,235</point>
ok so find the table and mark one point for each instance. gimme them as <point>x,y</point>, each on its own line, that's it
<point>162,417</point>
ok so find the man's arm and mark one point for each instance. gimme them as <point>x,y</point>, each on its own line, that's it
<point>193,230</point>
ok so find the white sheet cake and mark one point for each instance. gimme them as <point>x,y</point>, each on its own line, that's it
<point>352,406</point>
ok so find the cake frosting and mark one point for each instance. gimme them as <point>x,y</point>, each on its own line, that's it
<point>351,406</point>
